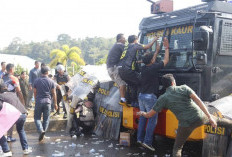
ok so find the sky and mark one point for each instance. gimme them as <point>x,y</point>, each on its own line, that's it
<point>40,20</point>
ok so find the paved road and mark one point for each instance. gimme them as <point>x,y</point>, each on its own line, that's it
<point>59,143</point>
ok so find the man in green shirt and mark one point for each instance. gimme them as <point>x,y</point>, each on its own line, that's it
<point>188,108</point>
<point>24,85</point>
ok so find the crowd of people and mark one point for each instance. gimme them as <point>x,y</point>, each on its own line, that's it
<point>137,76</point>
<point>19,91</point>
<point>122,67</point>
<point>143,83</point>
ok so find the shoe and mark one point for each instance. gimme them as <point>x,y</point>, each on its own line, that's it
<point>56,114</point>
<point>27,151</point>
<point>124,103</point>
<point>148,147</point>
<point>139,142</point>
<point>10,139</point>
<point>41,136</point>
<point>65,116</point>
<point>7,154</point>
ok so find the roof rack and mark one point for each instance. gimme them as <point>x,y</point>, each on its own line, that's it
<point>183,15</point>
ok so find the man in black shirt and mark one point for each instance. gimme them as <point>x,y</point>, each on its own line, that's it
<point>127,71</point>
<point>148,94</point>
<point>61,78</point>
<point>112,64</point>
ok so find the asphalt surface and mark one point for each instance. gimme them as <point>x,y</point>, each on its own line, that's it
<point>60,144</point>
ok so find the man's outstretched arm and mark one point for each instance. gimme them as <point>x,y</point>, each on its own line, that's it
<point>151,43</point>
<point>198,101</point>
<point>149,114</point>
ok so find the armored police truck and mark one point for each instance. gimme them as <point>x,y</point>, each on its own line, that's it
<point>200,46</point>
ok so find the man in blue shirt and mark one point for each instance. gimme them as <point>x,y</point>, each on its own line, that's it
<point>44,87</point>
<point>3,71</point>
<point>33,75</point>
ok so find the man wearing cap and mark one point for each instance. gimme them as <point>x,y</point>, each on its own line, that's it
<point>43,89</point>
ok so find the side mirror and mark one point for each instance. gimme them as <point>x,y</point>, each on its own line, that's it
<point>201,38</point>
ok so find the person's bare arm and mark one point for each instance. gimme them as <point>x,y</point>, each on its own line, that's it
<point>149,114</point>
<point>151,43</point>
<point>54,98</point>
<point>68,77</point>
<point>198,101</point>
<point>20,95</point>
<point>166,55</point>
<point>156,53</point>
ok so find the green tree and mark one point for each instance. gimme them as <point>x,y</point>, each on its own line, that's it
<point>64,39</point>
<point>19,69</point>
<point>65,55</point>
<point>102,60</point>
<point>73,69</point>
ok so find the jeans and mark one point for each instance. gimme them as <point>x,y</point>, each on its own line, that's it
<point>22,135</point>
<point>20,129</point>
<point>4,145</point>
<point>39,110</point>
<point>10,131</point>
<point>146,102</point>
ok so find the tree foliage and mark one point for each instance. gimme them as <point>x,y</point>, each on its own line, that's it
<point>92,49</point>
<point>65,55</point>
<point>19,69</point>
<point>102,60</point>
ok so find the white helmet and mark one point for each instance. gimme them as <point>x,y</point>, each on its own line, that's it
<point>60,67</point>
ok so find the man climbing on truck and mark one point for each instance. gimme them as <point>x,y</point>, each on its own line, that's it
<point>149,92</point>
<point>188,108</point>
<point>127,71</point>
<point>112,64</point>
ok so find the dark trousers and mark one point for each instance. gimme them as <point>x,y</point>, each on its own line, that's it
<point>132,78</point>
<point>59,99</point>
<point>184,132</point>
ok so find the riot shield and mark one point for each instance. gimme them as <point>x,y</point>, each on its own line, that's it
<point>109,111</point>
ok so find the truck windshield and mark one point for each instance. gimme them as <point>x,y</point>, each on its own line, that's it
<point>180,43</point>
